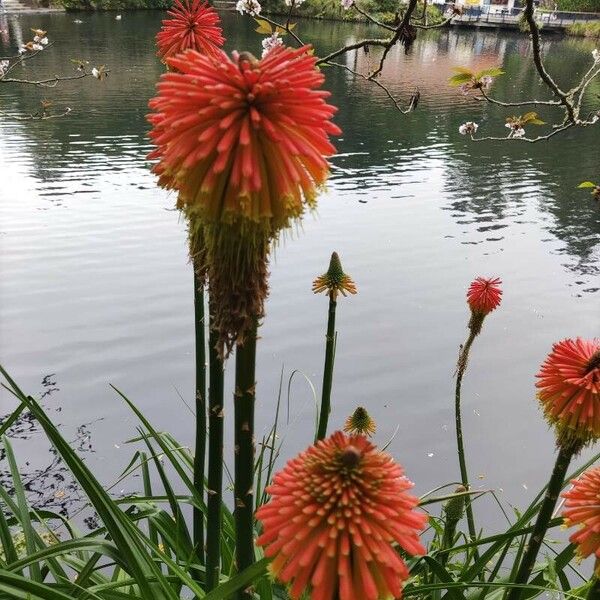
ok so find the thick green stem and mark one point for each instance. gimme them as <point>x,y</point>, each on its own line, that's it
<point>200,443</point>
<point>565,454</point>
<point>453,512</point>
<point>594,592</point>
<point>464,474</point>
<point>245,386</point>
<point>447,540</point>
<point>215,462</point>
<point>327,371</point>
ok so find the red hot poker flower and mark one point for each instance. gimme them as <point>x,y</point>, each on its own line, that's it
<point>569,389</point>
<point>484,295</point>
<point>243,138</point>
<point>194,25</point>
<point>582,507</point>
<point>335,515</point>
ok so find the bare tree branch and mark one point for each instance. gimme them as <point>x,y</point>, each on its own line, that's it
<point>414,98</point>
<point>39,116</point>
<point>50,82</point>
<point>486,97</point>
<point>362,44</point>
<point>443,23</point>
<point>537,60</point>
<point>534,140</point>
<point>373,20</point>
<point>401,30</point>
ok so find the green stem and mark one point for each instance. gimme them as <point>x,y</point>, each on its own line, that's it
<point>200,443</point>
<point>327,371</point>
<point>565,454</point>
<point>594,592</point>
<point>464,474</point>
<point>245,385</point>
<point>447,539</point>
<point>215,462</point>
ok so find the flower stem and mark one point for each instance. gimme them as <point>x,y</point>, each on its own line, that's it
<point>453,512</point>
<point>594,592</point>
<point>464,474</point>
<point>565,454</point>
<point>215,462</point>
<point>200,442</point>
<point>327,371</point>
<point>245,385</point>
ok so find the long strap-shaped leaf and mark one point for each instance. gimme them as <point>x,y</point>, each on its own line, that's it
<point>124,534</point>
<point>17,586</point>
<point>67,547</point>
<point>20,519</point>
<point>23,510</point>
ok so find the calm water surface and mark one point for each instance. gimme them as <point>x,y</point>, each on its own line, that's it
<point>96,288</point>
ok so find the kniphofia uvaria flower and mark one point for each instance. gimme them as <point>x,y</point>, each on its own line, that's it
<point>245,143</point>
<point>339,514</point>
<point>192,25</point>
<point>569,389</point>
<point>582,510</point>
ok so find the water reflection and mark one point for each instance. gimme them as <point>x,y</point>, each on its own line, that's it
<point>380,147</point>
<point>47,481</point>
<point>96,287</point>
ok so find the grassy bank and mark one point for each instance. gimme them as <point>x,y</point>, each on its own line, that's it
<point>576,5</point>
<point>382,10</point>
<point>590,30</point>
<point>99,5</point>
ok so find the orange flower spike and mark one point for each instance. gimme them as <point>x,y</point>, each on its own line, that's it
<point>336,513</point>
<point>484,295</point>
<point>194,25</point>
<point>569,389</point>
<point>258,131</point>
<point>582,508</point>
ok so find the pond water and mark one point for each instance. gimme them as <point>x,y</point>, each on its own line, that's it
<point>96,289</point>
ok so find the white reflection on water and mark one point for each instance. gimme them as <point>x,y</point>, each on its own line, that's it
<point>96,287</point>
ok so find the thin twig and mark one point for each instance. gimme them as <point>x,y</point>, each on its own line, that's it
<point>371,18</point>
<point>443,23</point>
<point>286,27</point>
<point>51,82</point>
<point>404,23</point>
<point>487,98</point>
<point>366,42</point>
<point>539,138</point>
<point>36,116</point>
<point>389,94</point>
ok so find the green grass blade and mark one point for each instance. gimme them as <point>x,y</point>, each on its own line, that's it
<point>239,581</point>
<point>62,548</point>
<point>174,504</point>
<point>124,534</point>
<point>11,420</point>
<point>24,518</point>
<point>152,533</point>
<point>17,586</point>
<point>8,546</point>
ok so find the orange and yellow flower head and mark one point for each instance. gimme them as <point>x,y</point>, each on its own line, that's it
<point>192,25</point>
<point>339,515</point>
<point>245,143</point>
<point>569,389</point>
<point>582,509</point>
<point>484,294</point>
<point>241,138</point>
